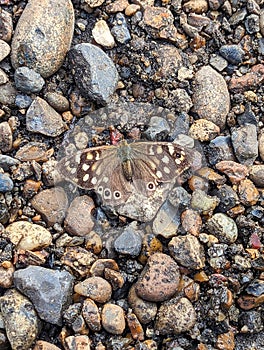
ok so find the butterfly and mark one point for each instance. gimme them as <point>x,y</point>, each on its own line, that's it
<point>117,171</point>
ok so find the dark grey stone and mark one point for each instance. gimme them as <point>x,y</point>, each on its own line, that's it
<point>120,30</point>
<point>27,80</point>
<point>232,53</point>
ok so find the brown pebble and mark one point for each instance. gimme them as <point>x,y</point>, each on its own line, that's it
<point>93,242</point>
<point>211,175</point>
<point>91,315</point>
<point>31,187</point>
<point>226,341</point>
<point>6,275</point>
<point>114,278</point>
<point>248,193</point>
<point>150,245</point>
<point>197,183</point>
<point>113,319</point>
<point>43,345</point>
<point>98,267</point>
<point>204,130</point>
<point>57,101</point>
<point>96,288</point>
<point>135,327</point>
<point>191,222</point>
<point>79,259</point>
<point>160,278</point>
<point>196,6</point>
<point>248,302</point>
<point>249,80</point>
<point>117,6</point>
<point>235,171</point>
<point>201,277</point>
<point>256,174</point>
<point>6,25</point>
<point>32,151</point>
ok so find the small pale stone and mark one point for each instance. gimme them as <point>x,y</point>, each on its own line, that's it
<point>6,137</point>
<point>43,345</point>
<point>223,227</point>
<point>256,174</point>
<point>204,130</point>
<point>102,35</point>
<point>3,77</point>
<point>4,50</point>
<point>6,275</point>
<point>28,236</point>
<point>77,342</point>
<point>113,319</point>
<point>96,288</point>
<point>94,3</point>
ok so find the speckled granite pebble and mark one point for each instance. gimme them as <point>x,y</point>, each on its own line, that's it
<point>223,227</point>
<point>27,80</point>
<point>113,319</point>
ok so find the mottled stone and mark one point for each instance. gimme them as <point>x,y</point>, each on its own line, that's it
<point>187,251</point>
<point>7,270</point>
<point>79,220</point>
<point>51,204</point>
<point>57,101</point>
<point>27,80</point>
<point>4,50</point>
<point>6,25</point>
<point>197,6</point>
<point>232,53</point>
<point>6,137</point>
<point>220,149</point>
<point>3,76</point>
<point>43,36</point>
<point>42,118</point>
<point>245,143</point>
<point>203,203</point>
<point>113,319</point>
<point>226,341</point>
<point>120,30</point>
<point>8,94</point>
<point>49,290</point>
<point>175,316</point>
<point>235,171</point>
<point>248,193</point>
<point>117,6</point>
<point>162,272</point>
<point>79,260</point>
<point>44,345</point>
<point>135,327</point>
<point>32,151</point>
<point>211,99</point>
<point>248,81</point>
<point>102,35</point>
<point>77,342</point>
<point>96,288</point>
<point>204,130</point>
<point>6,184</point>
<point>130,241</point>
<point>20,318</point>
<point>191,222</point>
<point>91,315</point>
<point>223,227</point>
<point>256,174</point>
<point>28,236</point>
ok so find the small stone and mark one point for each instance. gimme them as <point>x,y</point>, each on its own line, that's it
<point>187,251</point>
<point>99,266</point>
<point>51,204</point>
<point>21,321</point>
<point>253,322</point>
<point>245,143</point>
<point>79,260</point>
<point>102,35</point>
<point>211,99</point>
<point>150,245</point>
<point>6,137</point>
<point>78,219</point>
<point>31,188</point>
<point>117,6</point>
<point>28,81</point>
<point>6,184</point>
<point>145,310</point>
<point>7,94</point>
<point>248,81</point>
<point>96,288</point>
<point>42,118</point>
<point>3,76</point>
<point>6,162</point>
<point>235,171</point>
<point>43,345</point>
<point>252,24</point>
<point>131,9</point>
<point>49,290</point>
<point>120,30</point>
<point>91,315</point>
<point>6,275</point>
<point>6,25</point>
<point>256,174</point>
<point>32,151</point>
<point>197,6</point>
<point>223,227</point>
<point>175,316</point>
<point>261,145</point>
<point>226,341</point>
<point>93,242</point>
<point>163,272</point>
<point>248,302</point>
<point>232,53</point>
<point>220,149</point>
<point>4,50</point>
<point>203,130</point>
<point>228,198</point>
<point>23,101</point>
<point>94,3</point>
<point>191,222</point>
<point>77,342</point>
<point>27,236</point>
<point>129,242</point>
<point>57,101</point>
<point>256,288</point>
<point>114,278</point>
<point>248,193</point>
<point>135,327</point>
<point>218,62</point>
<point>203,203</point>
<point>113,319</point>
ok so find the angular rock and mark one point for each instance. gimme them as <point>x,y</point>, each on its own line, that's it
<point>27,80</point>
<point>6,184</point>
<point>245,143</point>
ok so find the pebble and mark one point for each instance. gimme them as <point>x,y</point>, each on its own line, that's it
<point>95,288</point>
<point>8,94</point>
<point>234,54</point>
<point>210,98</point>
<point>248,302</point>
<point>7,270</point>
<point>43,345</point>
<point>131,9</point>
<point>51,204</point>
<point>145,310</point>
<point>99,266</point>
<point>226,341</point>
<point>220,149</point>
<point>261,145</point>
<point>42,118</point>
<point>187,251</point>
<point>248,81</point>
<point>204,130</point>
<point>256,288</point>
<point>223,227</point>
<point>6,184</point>
<point>78,259</point>
<point>91,315</point>
<point>218,62</point>
<point>6,137</point>
<point>6,25</point>
<point>130,241</point>
<point>120,30</point>
<point>3,77</point>
<point>94,3</point>
<point>197,6</point>
<point>245,143</point>
<point>252,24</point>
<point>162,272</point>
<point>102,35</point>
<point>150,245</point>
<point>43,36</point>
<point>32,151</point>
<point>28,81</point>
<point>113,319</point>
<point>4,50</point>
<point>169,60</point>
<point>27,236</point>
<point>203,203</point>
<point>191,222</point>
<point>21,322</point>
<point>256,174</point>
<point>57,101</point>
<point>157,125</point>
<point>23,101</point>
<point>49,290</point>
<point>235,171</point>
<point>79,220</point>
<point>248,193</point>
<point>77,342</point>
<point>117,6</point>
<point>135,327</point>
<point>228,198</point>
<point>175,316</point>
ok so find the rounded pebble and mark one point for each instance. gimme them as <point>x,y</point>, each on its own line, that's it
<point>27,80</point>
<point>223,227</point>
<point>113,319</point>
<point>6,137</point>
<point>245,143</point>
<point>102,35</point>
<point>256,174</point>
<point>6,184</point>
<point>4,50</point>
<point>57,101</point>
<point>204,130</point>
<point>96,288</point>
<point>129,242</point>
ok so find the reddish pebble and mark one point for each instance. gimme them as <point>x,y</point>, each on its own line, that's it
<point>235,171</point>
<point>255,241</point>
<point>113,319</point>
<point>95,288</point>
<point>248,193</point>
<point>226,341</point>
<point>249,80</point>
<point>191,221</point>
<point>135,327</point>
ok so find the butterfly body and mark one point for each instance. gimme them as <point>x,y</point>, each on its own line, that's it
<point>117,172</point>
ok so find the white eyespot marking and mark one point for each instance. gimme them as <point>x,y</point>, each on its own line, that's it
<point>94,181</point>
<point>117,194</point>
<point>97,155</point>
<point>166,170</point>
<point>151,186</point>
<point>151,152</point>
<point>178,161</point>
<point>67,164</point>
<point>165,159</point>
<point>100,189</point>
<point>159,174</point>
<point>86,177</point>
<point>171,149</point>
<point>105,179</point>
<point>107,193</point>
<point>77,158</point>
<point>159,150</point>
<point>73,171</point>
<point>85,167</point>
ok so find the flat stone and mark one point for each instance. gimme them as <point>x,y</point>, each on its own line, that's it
<point>44,345</point>
<point>43,36</point>
<point>32,151</point>
<point>120,30</point>
<point>223,227</point>
<point>248,81</point>
<point>162,272</point>
<point>57,101</point>
<point>79,260</point>
<point>6,137</point>
<point>4,50</point>
<point>27,236</point>
<point>91,315</point>
<point>232,53</point>
<point>27,80</point>
<point>102,35</point>
<point>51,204</point>
<point>42,118</point>
<point>113,319</point>
<point>6,184</point>
<point>49,290</point>
<point>129,242</point>
<point>21,321</point>
<point>226,341</point>
<point>6,25</point>
<point>96,288</point>
<point>235,171</point>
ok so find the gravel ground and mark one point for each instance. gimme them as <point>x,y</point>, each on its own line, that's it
<point>170,264</point>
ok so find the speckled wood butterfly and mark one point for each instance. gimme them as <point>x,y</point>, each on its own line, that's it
<point>115,172</point>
